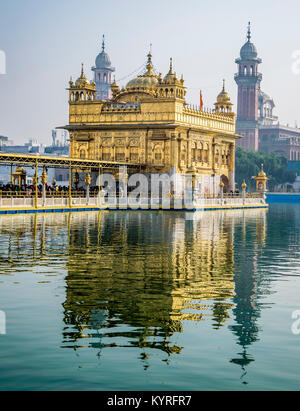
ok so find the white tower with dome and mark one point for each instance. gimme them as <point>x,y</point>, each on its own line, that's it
<point>103,74</point>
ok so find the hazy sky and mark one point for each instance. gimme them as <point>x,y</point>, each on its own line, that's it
<point>46,41</point>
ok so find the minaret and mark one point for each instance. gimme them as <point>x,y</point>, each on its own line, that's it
<point>248,80</point>
<point>103,74</point>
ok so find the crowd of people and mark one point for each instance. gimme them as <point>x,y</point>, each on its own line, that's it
<point>28,190</point>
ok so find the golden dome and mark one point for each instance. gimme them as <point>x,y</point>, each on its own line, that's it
<point>170,78</point>
<point>143,81</point>
<point>82,81</point>
<point>223,97</point>
<point>148,80</point>
<point>262,173</point>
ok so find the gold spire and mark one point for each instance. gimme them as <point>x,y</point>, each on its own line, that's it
<point>149,64</point>
<point>171,76</point>
<point>114,87</point>
<point>82,81</point>
<point>223,103</point>
<point>262,173</point>
<point>223,97</point>
<point>171,66</point>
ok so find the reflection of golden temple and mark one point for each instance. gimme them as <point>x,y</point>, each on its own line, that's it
<point>191,279</point>
<point>121,270</point>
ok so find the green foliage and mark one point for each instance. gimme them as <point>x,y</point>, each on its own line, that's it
<point>248,164</point>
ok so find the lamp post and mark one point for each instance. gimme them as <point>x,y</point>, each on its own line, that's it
<point>244,186</point>
<point>35,182</point>
<point>44,179</point>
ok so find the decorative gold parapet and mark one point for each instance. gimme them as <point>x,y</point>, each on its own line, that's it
<point>95,112</point>
<point>207,119</point>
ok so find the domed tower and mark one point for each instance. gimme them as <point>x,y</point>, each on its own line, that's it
<point>103,74</point>
<point>248,80</point>
<point>223,104</point>
<point>82,89</point>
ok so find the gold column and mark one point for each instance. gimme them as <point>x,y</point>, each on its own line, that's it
<point>36,184</point>
<point>99,187</point>
<point>70,185</point>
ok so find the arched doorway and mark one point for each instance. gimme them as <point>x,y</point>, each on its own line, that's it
<point>225,181</point>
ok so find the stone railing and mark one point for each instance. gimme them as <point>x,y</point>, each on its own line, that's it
<point>96,200</point>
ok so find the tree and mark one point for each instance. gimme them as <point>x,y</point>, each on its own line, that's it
<point>248,164</point>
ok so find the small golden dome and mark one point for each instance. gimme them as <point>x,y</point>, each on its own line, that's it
<point>223,97</point>
<point>244,185</point>
<point>262,173</point>
<point>82,81</point>
<point>170,78</point>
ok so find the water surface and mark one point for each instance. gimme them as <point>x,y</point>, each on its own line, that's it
<point>150,300</point>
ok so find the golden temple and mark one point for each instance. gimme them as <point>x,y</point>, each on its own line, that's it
<point>149,123</point>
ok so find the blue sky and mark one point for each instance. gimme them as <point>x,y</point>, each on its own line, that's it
<point>46,41</point>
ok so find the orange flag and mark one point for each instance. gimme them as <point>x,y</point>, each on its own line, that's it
<point>201,101</point>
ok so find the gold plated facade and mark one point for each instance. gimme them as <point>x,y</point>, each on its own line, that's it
<point>149,123</point>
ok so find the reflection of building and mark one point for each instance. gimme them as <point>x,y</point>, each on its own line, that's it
<point>152,292</point>
<point>248,304</point>
<point>133,279</point>
<point>149,123</point>
<point>255,119</point>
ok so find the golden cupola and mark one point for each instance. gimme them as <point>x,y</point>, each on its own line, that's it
<point>147,81</point>
<point>223,104</point>
<point>171,87</point>
<point>114,88</point>
<point>171,78</point>
<point>82,81</point>
<point>82,89</point>
<point>262,173</point>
